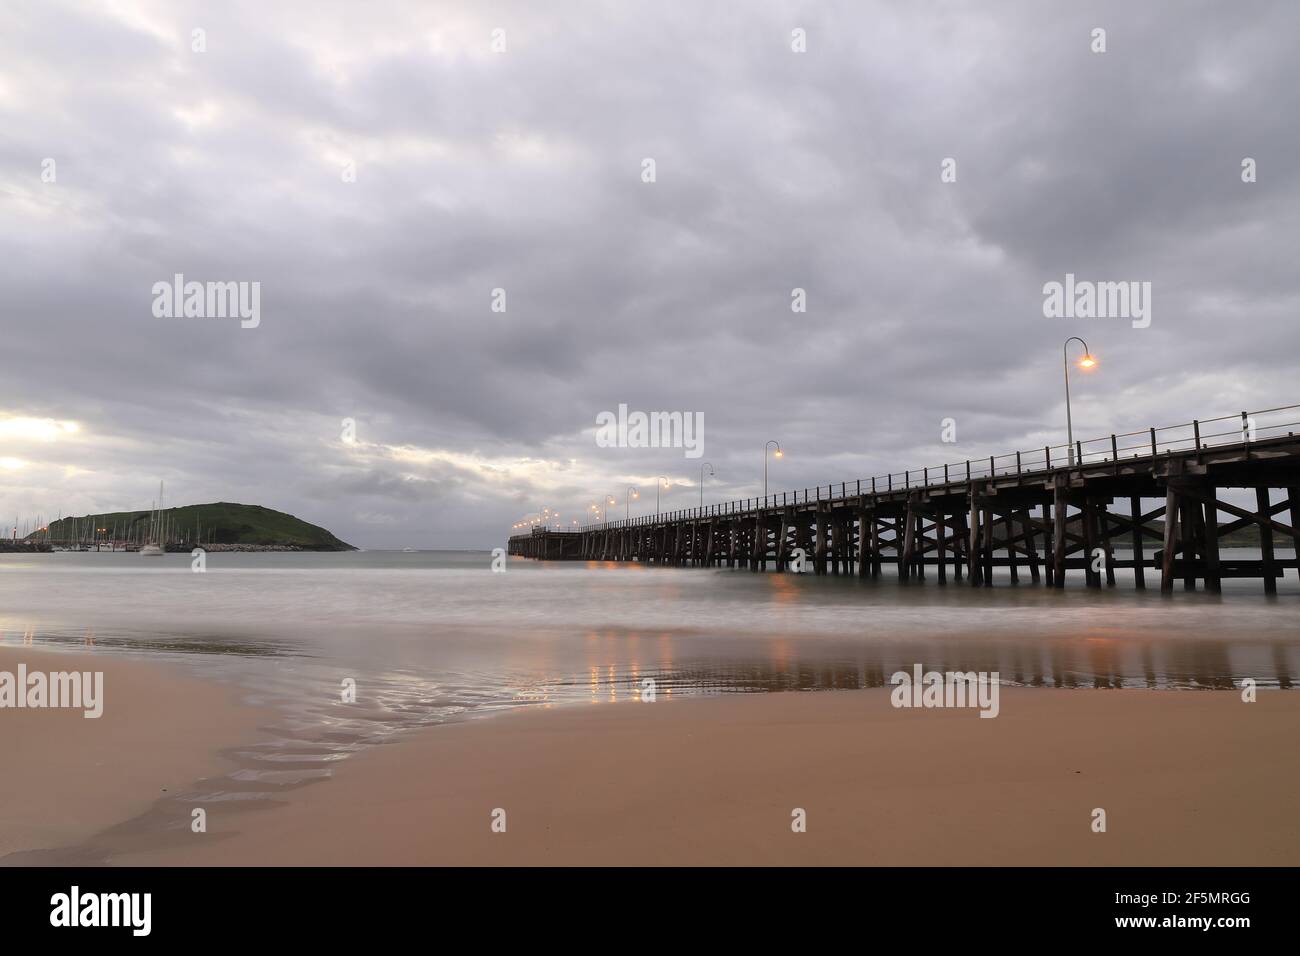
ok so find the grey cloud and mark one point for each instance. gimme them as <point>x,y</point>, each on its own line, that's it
<point>775,170</point>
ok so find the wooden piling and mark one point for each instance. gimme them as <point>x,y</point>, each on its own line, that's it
<point>1266,540</point>
<point>1060,505</point>
<point>1210,525</point>
<point>1139,562</point>
<point>1170,543</point>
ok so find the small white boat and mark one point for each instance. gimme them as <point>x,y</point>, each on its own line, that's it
<point>151,551</point>
<point>408,550</point>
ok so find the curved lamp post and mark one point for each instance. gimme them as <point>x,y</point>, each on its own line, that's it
<point>711,472</point>
<point>779,454</point>
<point>627,502</point>
<point>1086,361</point>
<point>665,484</point>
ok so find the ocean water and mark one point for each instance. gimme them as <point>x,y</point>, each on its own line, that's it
<point>434,636</point>
<point>438,631</point>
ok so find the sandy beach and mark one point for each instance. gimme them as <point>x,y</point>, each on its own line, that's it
<point>1185,778</point>
<point>67,777</point>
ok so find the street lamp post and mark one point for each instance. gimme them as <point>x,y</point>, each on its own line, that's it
<point>779,454</point>
<point>665,484</point>
<point>1085,362</point>
<point>711,472</point>
<point>628,495</point>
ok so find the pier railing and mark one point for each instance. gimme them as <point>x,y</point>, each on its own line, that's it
<point>1240,429</point>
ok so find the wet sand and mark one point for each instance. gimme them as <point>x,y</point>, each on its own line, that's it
<point>1185,778</point>
<point>65,777</point>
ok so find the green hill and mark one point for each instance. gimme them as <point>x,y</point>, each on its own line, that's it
<point>221,522</point>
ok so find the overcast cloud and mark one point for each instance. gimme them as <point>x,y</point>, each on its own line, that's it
<point>521,170</point>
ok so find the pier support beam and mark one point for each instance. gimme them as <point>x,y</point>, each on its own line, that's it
<point>907,552</point>
<point>1060,505</point>
<point>1266,540</point>
<point>1172,508</point>
<point>865,520</point>
<point>1210,524</point>
<point>1013,560</point>
<point>1027,529</point>
<point>1139,560</point>
<point>1293,500</point>
<point>875,545</point>
<point>941,544</point>
<point>1088,518</point>
<point>987,555</point>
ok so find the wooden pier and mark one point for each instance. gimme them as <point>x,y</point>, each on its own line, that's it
<point>1151,502</point>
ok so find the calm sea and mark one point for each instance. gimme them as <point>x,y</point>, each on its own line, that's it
<point>434,633</point>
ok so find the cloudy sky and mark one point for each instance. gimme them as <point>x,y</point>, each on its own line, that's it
<point>379,168</point>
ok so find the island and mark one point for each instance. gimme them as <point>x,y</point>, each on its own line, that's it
<point>218,526</point>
